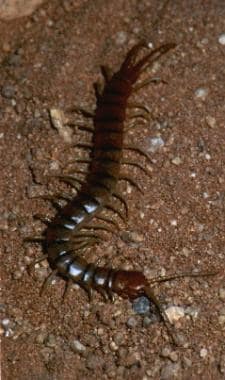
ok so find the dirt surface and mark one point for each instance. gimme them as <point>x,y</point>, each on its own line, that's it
<point>51,60</point>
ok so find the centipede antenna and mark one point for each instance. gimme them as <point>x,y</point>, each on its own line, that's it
<point>181,275</point>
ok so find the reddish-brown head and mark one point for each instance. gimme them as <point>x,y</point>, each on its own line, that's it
<point>129,284</point>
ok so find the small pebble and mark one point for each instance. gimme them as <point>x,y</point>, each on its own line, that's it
<point>203,353</point>
<point>77,346</point>
<point>132,322</point>
<point>201,93</point>
<point>174,313</point>
<point>118,338</point>
<point>51,341</point>
<point>113,346</point>
<point>94,362</point>
<point>41,338</point>
<point>132,236</point>
<point>8,91</point>
<point>17,274</point>
<point>141,305</point>
<point>133,358</point>
<point>221,319</point>
<point>167,353</point>
<point>221,39</point>
<point>121,38</point>
<point>155,143</point>
<point>170,371</point>
<point>147,321</point>
<point>59,121</point>
<point>222,364</point>
<point>211,121</point>
<point>222,294</point>
<point>176,161</point>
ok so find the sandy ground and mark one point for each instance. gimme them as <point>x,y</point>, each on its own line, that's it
<point>51,60</point>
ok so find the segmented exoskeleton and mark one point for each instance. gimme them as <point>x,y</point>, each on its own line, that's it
<point>67,235</point>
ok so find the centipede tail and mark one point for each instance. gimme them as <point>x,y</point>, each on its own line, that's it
<point>72,229</point>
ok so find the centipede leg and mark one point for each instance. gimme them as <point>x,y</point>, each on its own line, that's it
<point>42,218</point>
<point>108,220</point>
<point>137,150</point>
<point>137,165</point>
<point>71,180</point>
<point>87,235</point>
<point>80,245</point>
<point>34,239</point>
<point>48,281</point>
<point>132,182</point>
<point>64,196</point>
<point>116,211</point>
<point>98,87</point>
<point>89,291</point>
<point>39,260</point>
<point>139,106</point>
<point>86,128</point>
<point>76,171</point>
<point>122,200</point>
<point>82,111</point>
<point>84,146</point>
<point>54,199</point>
<point>79,160</point>
<point>68,287</point>
<point>97,227</point>
<point>137,116</point>
<point>150,294</point>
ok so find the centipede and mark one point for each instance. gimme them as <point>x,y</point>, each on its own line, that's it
<point>72,231</point>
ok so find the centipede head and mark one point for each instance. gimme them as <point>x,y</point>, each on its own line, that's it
<point>129,284</point>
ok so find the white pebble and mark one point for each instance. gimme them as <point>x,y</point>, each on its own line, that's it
<point>174,313</point>
<point>173,222</point>
<point>177,161</point>
<point>221,39</point>
<point>222,294</point>
<point>201,93</point>
<point>203,353</point>
<point>211,121</point>
<point>78,346</point>
<point>155,144</point>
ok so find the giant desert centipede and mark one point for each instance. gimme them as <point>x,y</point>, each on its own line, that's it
<point>70,231</point>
